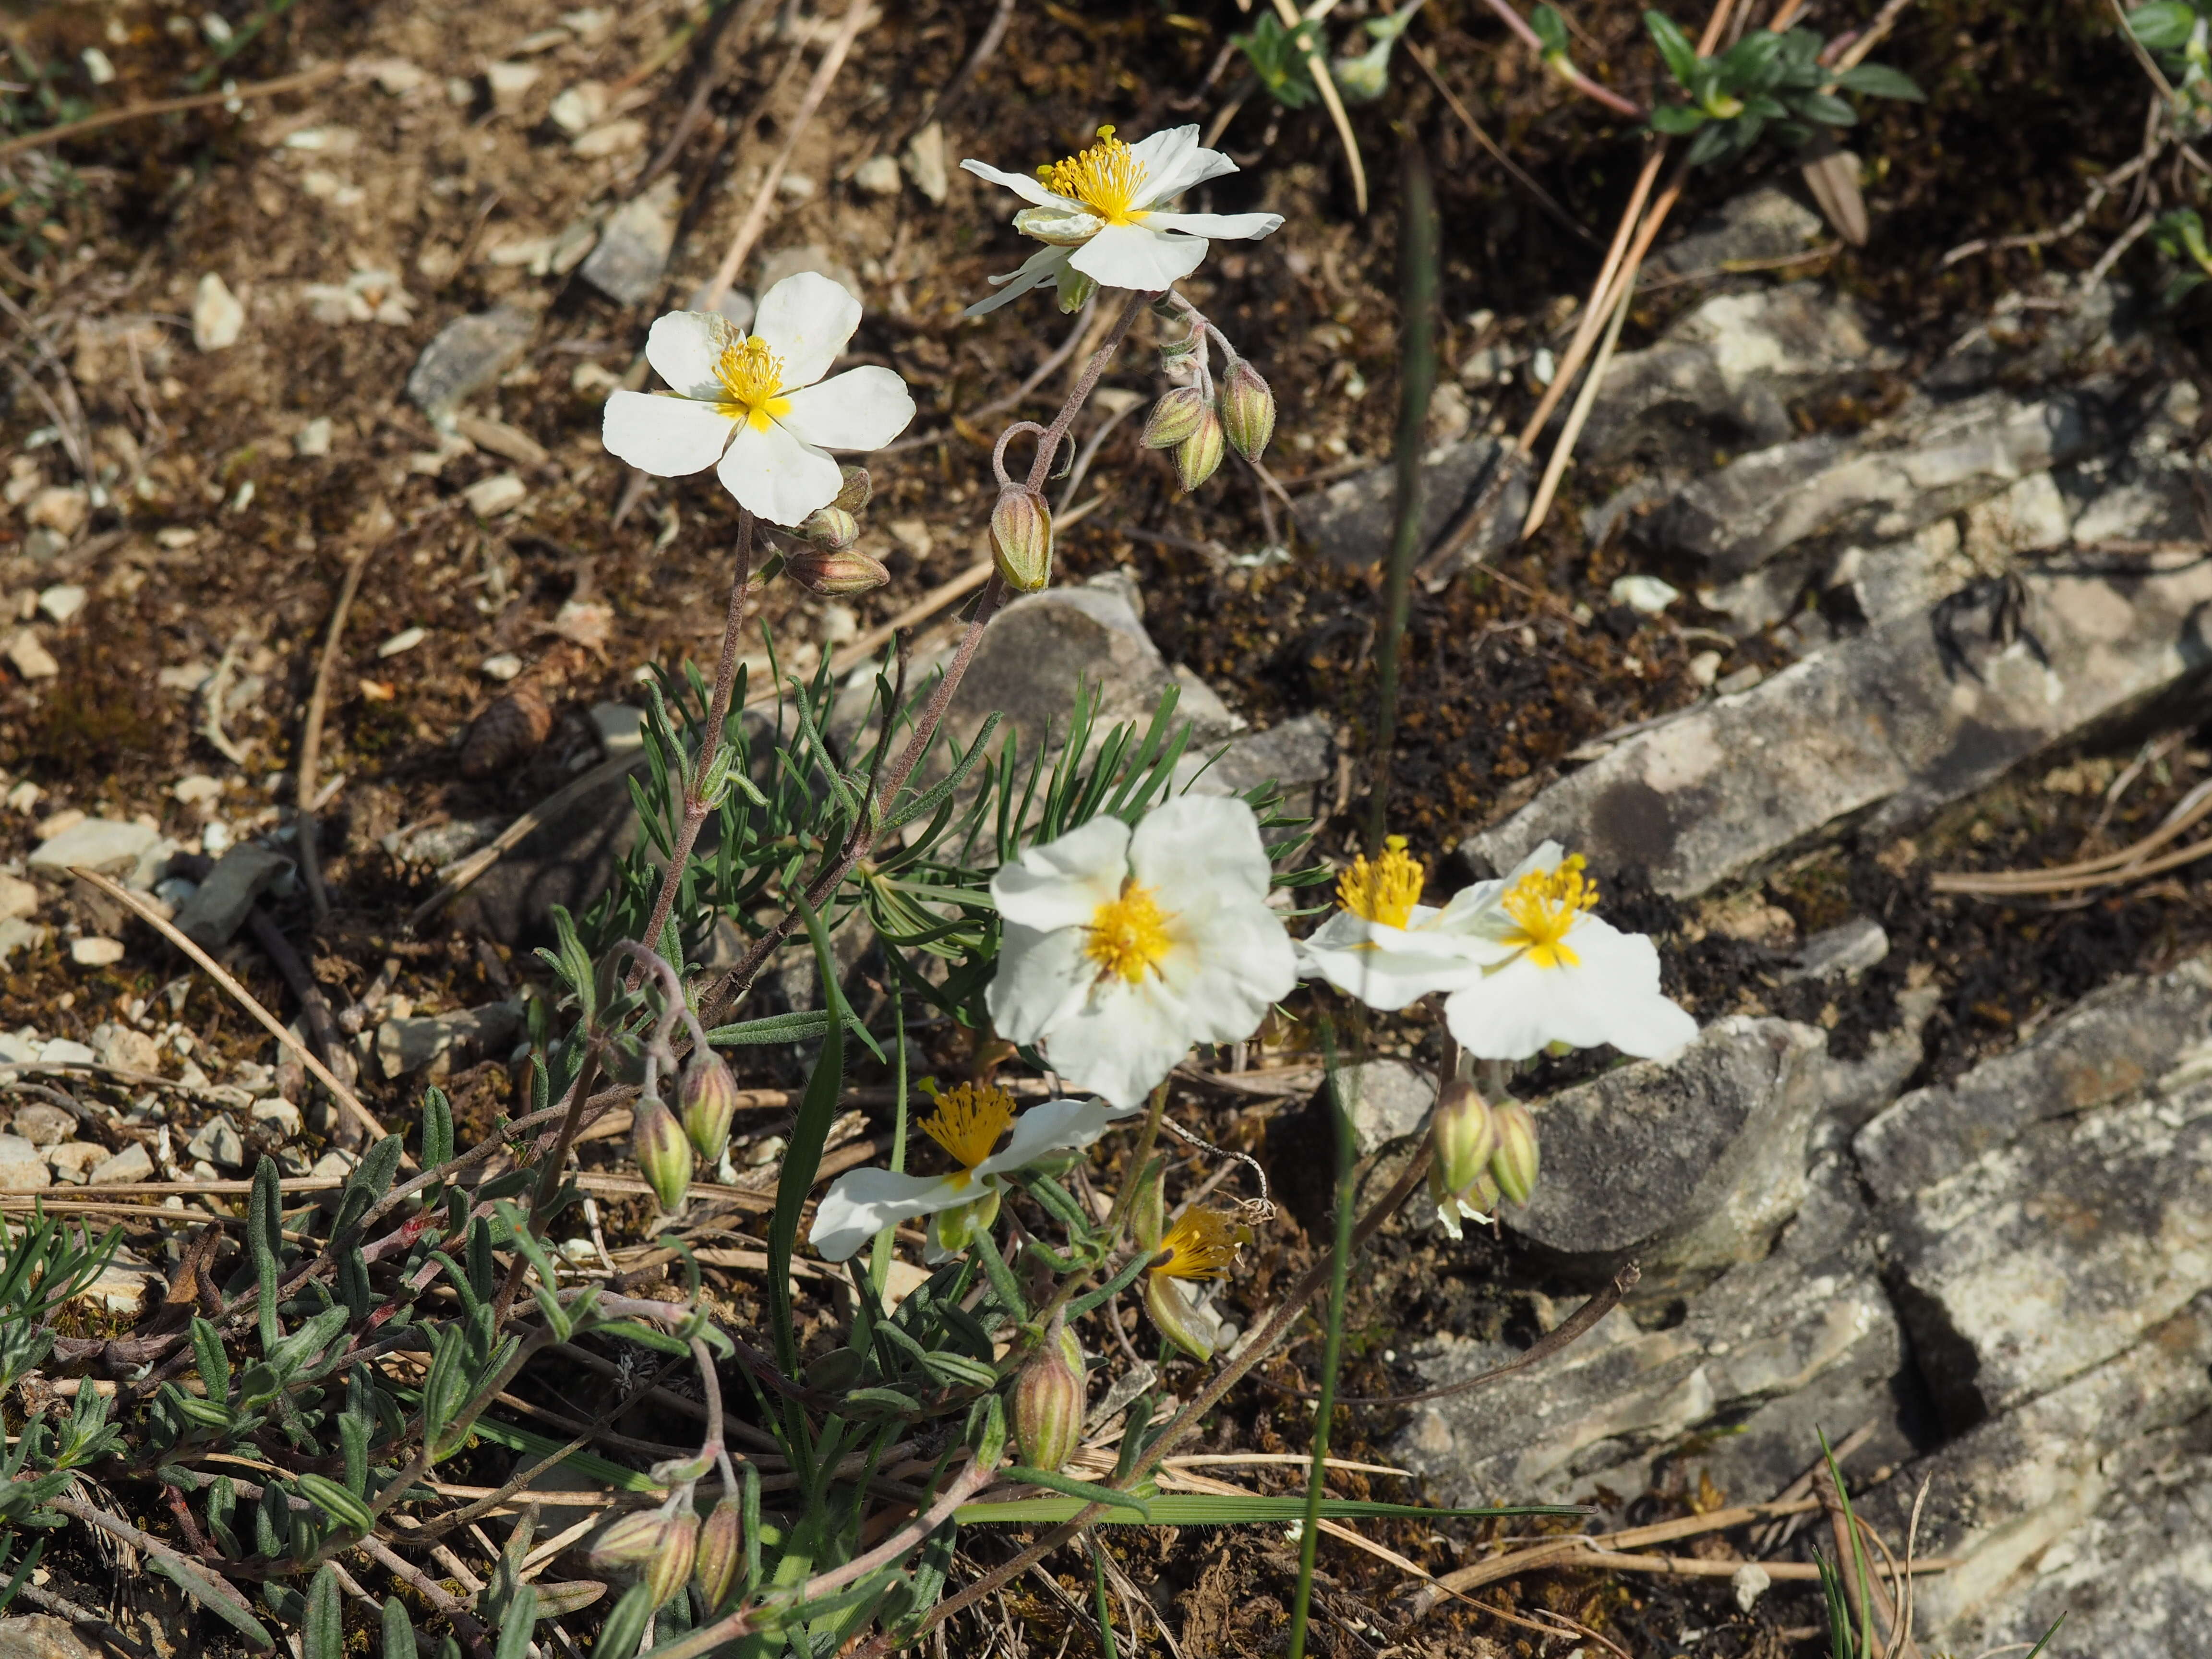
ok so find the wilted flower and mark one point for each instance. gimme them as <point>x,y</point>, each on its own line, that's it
<point>751,406</point>
<point>1553,972</point>
<point>1201,1245</point>
<point>1383,946</point>
<point>1124,947</point>
<point>1099,212</point>
<point>967,1123</point>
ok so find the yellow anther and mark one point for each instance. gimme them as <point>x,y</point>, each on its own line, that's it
<point>1545,905</point>
<point>1385,889</point>
<point>1104,178</point>
<point>1203,1244</point>
<point>1129,934</point>
<point>968,1121</point>
<point>752,375</point>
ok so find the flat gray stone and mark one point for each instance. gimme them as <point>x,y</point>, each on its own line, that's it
<point>1351,520</point>
<point>404,1046</point>
<point>1764,223</point>
<point>106,845</point>
<point>466,355</point>
<point>2108,1047</point>
<point>218,1141</point>
<point>1725,373</point>
<point>1843,952</point>
<point>35,1636</point>
<point>1877,485</point>
<point>219,906</point>
<point>43,1125</point>
<point>22,1166</point>
<point>632,253</point>
<point>1296,754</point>
<point>2038,1261</point>
<point>126,1047</point>
<point>1390,1100</point>
<point>133,1163</point>
<point>1881,729</point>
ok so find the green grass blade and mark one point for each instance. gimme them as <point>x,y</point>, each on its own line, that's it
<point>1194,1509</point>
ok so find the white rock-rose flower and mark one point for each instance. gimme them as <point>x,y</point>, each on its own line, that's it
<point>1555,974</point>
<point>1383,946</point>
<point>1122,948</point>
<point>967,1123</point>
<point>755,406</point>
<point>1101,216</point>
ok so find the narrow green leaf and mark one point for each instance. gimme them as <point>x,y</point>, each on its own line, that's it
<point>203,1591</point>
<point>810,1134</point>
<point>1879,81</point>
<point>323,1636</point>
<point>1085,1491</point>
<point>398,1631</point>
<point>1674,46</point>
<point>803,1026</point>
<point>1209,1509</point>
<point>335,1501</point>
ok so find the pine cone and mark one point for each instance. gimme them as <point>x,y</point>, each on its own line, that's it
<point>507,732</point>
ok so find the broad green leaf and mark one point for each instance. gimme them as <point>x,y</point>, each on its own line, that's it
<point>2164,25</point>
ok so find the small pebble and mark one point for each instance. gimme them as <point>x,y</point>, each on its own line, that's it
<point>1645,593</point>
<point>1706,667</point>
<point>31,659</point>
<point>57,824</point>
<point>62,601</point>
<point>405,639</point>
<point>218,318</point>
<point>490,497</point>
<point>878,176</point>
<point>313,439</point>
<point>195,787</point>
<point>797,186</point>
<point>93,951</point>
<point>215,840</point>
<point>503,667</point>
<point>99,68</point>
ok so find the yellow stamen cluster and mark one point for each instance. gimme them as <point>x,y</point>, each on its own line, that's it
<point>1129,934</point>
<point>752,375</point>
<point>1383,890</point>
<point>968,1121</point>
<point>1104,178</point>
<point>1545,905</point>
<point>1203,1244</point>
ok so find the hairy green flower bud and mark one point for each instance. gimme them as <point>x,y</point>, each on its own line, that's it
<point>671,1566</point>
<point>1170,1309</point>
<point>1047,1403</point>
<point>830,528</point>
<point>710,1101</point>
<point>663,1155</point>
<point>857,490</point>
<point>1513,1166</point>
<point>721,1553</point>
<point>832,573</point>
<point>630,1541</point>
<point>1177,415</point>
<point>1021,539</point>
<point>1248,410</point>
<point>1198,455</point>
<point>1465,1134</point>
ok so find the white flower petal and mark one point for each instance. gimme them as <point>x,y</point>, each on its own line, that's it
<point>1174,161</point>
<point>863,408</point>
<point>1611,996</point>
<point>683,347</point>
<point>861,1203</point>
<point>1133,257</point>
<point>1058,226</point>
<point>1235,226</point>
<point>1196,167</point>
<point>1024,186</point>
<point>1054,1126</point>
<point>775,475</point>
<point>667,437</point>
<point>1123,1040</point>
<point>1199,845</point>
<point>1042,979</point>
<point>1234,963</point>
<point>806,319</point>
<point>1063,882</point>
<point>1047,265</point>
<point>1389,969</point>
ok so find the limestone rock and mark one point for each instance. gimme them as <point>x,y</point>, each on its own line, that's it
<point>22,1166</point>
<point>1351,520</point>
<point>1885,482</point>
<point>466,355</point>
<point>106,845</point>
<point>35,1636</point>
<point>404,1046</point>
<point>226,895</point>
<point>1885,727</point>
<point>73,1159</point>
<point>633,249</point>
<point>43,1125</point>
<point>123,1046</point>
<point>218,318</point>
<point>133,1163</point>
<point>1761,224</point>
<point>218,1141</point>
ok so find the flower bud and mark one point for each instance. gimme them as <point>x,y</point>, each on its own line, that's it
<point>721,1552</point>
<point>663,1155</point>
<point>856,491</point>
<point>710,1101</point>
<point>671,1565</point>
<point>1021,539</point>
<point>1513,1166</point>
<point>1465,1135</point>
<point>1198,455</point>
<point>630,1541</point>
<point>1148,1214</point>
<point>831,528</point>
<point>1174,417</point>
<point>953,1230</point>
<point>1047,1403</point>
<point>832,574</point>
<point>1176,1317</point>
<point>1248,410</point>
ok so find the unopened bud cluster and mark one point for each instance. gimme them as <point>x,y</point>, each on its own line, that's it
<point>1200,429</point>
<point>659,1546</point>
<point>1483,1155</point>
<point>829,564</point>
